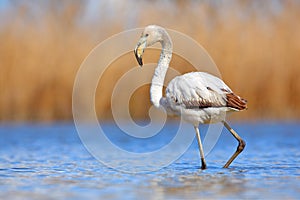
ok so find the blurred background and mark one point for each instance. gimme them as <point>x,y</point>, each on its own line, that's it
<point>255,44</point>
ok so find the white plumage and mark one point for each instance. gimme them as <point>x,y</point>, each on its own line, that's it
<point>198,97</point>
<point>193,94</point>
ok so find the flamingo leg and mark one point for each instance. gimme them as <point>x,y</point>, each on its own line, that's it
<point>203,163</point>
<point>240,147</point>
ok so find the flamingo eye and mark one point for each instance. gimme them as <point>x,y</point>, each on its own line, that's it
<point>146,34</point>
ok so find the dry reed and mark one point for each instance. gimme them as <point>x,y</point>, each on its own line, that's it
<point>257,52</point>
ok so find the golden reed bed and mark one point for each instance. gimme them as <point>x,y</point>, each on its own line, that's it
<point>256,47</point>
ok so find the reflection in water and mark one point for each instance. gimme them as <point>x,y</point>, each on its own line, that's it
<point>200,184</point>
<point>49,162</point>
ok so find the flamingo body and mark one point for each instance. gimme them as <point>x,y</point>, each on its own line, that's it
<point>197,97</point>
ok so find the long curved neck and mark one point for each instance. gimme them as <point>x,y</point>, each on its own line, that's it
<point>161,69</point>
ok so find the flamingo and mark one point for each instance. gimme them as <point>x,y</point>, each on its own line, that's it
<point>199,97</point>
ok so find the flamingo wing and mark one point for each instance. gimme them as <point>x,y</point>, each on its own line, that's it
<point>198,90</point>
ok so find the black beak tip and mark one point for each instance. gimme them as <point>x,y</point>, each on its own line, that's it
<point>139,59</point>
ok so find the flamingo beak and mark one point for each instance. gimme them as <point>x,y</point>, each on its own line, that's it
<point>139,50</point>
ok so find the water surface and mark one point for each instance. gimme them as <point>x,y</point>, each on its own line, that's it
<point>49,162</point>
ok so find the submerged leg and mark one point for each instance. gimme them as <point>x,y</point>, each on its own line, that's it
<point>203,163</point>
<point>240,147</point>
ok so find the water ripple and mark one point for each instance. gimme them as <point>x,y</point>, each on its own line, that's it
<point>43,163</point>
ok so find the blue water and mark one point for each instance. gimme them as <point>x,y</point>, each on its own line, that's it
<point>49,162</point>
